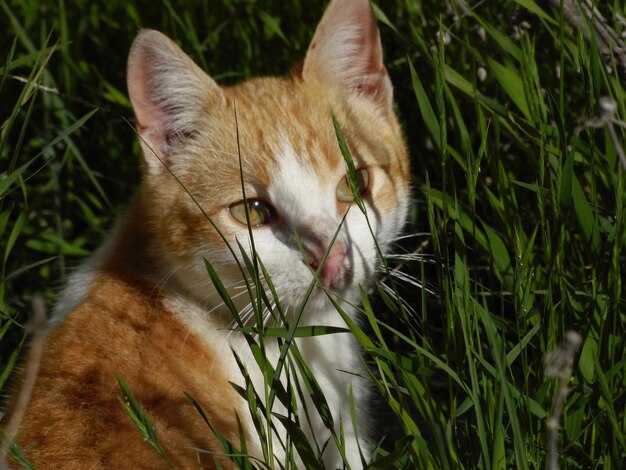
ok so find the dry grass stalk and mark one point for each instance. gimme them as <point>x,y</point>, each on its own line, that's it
<point>36,326</point>
<point>559,364</point>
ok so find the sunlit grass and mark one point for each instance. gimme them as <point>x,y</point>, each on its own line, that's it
<point>518,183</point>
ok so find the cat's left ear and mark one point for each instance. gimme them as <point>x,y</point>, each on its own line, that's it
<point>346,52</point>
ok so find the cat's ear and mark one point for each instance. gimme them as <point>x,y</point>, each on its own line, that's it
<point>346,51</point>
<point>168,92</point>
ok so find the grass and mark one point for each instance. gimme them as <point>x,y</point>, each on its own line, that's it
<point>519,206</point>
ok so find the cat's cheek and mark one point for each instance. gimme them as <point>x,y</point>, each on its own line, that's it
<point>361,260</point>
<point>385,192</point>
<point>191,238</point>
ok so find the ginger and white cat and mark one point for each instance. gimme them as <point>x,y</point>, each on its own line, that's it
<point>144,308</point>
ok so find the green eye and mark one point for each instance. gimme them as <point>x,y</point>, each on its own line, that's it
<point>344,193</point>
<point>259,211</point>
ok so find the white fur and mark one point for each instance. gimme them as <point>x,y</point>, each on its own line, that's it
<point>301,196</point>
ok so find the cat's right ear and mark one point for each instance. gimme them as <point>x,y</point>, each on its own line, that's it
<point>346,52</point>
<point>169,92</point>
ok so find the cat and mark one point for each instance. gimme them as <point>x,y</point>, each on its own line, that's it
<point>143,308</point>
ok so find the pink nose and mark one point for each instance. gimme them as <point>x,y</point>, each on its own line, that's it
<point>332,266</point>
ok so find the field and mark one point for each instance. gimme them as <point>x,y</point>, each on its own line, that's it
<point>515,116</point>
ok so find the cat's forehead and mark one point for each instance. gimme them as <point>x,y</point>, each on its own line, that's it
<point>277,117</point>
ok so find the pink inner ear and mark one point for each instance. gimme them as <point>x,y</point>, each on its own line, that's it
<point>151,119</point>
<point>168,92</point>
<point>346,51</point>
<point>147,113</point>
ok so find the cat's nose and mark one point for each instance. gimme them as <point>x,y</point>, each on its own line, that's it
<point>333,265</point>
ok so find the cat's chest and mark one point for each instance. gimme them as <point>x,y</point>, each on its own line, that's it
<point>327,363</point>
<point>331,355</point>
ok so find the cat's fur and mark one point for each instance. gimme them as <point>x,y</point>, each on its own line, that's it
<point>144,308</point>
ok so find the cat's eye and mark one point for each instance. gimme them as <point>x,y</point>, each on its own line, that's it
<point>259,211</point>
<point>344,192</point>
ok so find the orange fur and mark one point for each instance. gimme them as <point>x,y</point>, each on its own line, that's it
<point>76,403</point>
<point>150,313</point>
<point>123,328</point>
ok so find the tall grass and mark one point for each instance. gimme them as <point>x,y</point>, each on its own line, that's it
<point>517,229</point>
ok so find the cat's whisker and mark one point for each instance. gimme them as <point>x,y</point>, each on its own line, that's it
<point>411,280</point>
<point>242,286</point>
<point>416,255</point>
<point>207,313</point>
<point>407,236</point>
<point>406,305</point>
<point>246,314</point>
<point>267,316</point>
<point>163,281</point>
<point>270,314</point>
<point>218,306</point>
<point>389,290</point>
<point>234,286</point>
<point>426,257</point>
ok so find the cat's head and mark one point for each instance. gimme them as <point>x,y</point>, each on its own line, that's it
<point>201,141</point>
